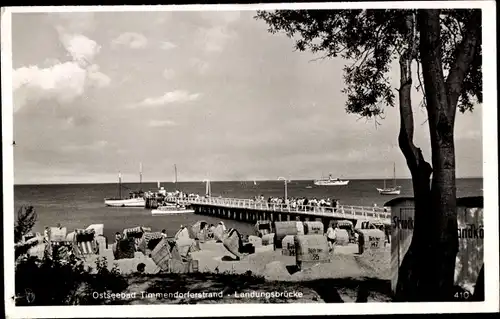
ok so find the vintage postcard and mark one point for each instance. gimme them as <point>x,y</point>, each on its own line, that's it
<point>200,160</point>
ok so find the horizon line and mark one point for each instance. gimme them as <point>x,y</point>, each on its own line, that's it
<point>220,181</point>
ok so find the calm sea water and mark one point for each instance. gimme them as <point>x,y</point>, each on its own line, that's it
<point>79,205</point>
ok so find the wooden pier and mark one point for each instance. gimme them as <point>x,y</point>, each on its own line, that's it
<point>253,210</point>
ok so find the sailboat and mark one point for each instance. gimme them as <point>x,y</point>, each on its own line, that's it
<point>135,199</point>
<point>208,188</point>
<point>394,190</point>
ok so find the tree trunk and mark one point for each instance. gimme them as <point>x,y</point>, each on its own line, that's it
<point>442,227</point>
<point>412,268</point>
<point>479,288</point>
<point>428,268</point>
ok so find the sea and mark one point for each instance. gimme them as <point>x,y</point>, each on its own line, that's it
<point>75,206</point>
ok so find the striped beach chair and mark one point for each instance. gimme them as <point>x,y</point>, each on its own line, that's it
<point>135,233</point>
<point>84,243</point>
<point>149,241</point>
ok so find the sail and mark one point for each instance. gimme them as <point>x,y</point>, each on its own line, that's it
<point>394,181</point>
<point>175,173</point>
<point>140,175</point>
<point>119,184</point>
<point>208,189</point>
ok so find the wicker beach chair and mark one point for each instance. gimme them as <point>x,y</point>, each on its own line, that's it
<point>148,242</point>
<point>33,247</point>
<point>84,243</point>
<point>61,250</point>
<point>136,234</point>
<point>125,248</point>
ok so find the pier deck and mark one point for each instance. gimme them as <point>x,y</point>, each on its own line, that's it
<point>373,214</point>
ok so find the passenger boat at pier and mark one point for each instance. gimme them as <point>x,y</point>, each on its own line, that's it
<point>330,181</point>
<point>394,190</point>
<point>170,209</point>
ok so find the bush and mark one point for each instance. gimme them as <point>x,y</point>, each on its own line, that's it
<point>26,219</point>
<point>61,282</point>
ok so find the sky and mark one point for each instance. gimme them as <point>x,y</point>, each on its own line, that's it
<point>213,92</point>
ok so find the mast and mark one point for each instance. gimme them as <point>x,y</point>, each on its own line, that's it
<point>175,171</point>
<point>119,185</point>
<point>140,176</point>
<point>394,174</point>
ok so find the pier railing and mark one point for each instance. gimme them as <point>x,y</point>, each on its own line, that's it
<point>343,211</point>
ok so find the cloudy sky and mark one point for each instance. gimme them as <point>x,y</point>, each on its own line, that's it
<point>213,92</point>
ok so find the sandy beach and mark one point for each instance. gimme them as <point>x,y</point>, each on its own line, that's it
<point>266,270</point>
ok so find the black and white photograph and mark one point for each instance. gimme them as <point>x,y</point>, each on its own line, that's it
<point>327,153</point>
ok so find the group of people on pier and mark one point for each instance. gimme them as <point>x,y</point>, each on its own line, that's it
<point>289,203</point>
<point>300,203</point>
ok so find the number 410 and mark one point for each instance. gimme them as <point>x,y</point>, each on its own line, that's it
<point>462,295</point>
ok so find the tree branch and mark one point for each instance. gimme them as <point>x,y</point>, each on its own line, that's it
<point>366,52</point>
<point>420,84</point>
<point>450,31</point>
<point>464,58</point>
<point>320,58</point>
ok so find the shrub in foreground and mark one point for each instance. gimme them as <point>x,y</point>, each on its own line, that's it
<point>62,282</point>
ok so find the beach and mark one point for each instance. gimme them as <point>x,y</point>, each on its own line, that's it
<point>248,279</point>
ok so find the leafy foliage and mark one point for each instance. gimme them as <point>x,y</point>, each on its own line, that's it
<point>63,282</point>
<point>372,40</point>
<point>26,219</point>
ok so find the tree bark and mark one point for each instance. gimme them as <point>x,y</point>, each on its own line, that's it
<point>413,267</point>
<point>479,288</point>
<point>442,227</point>
<point>442,98</point>
<point>428,268</point>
